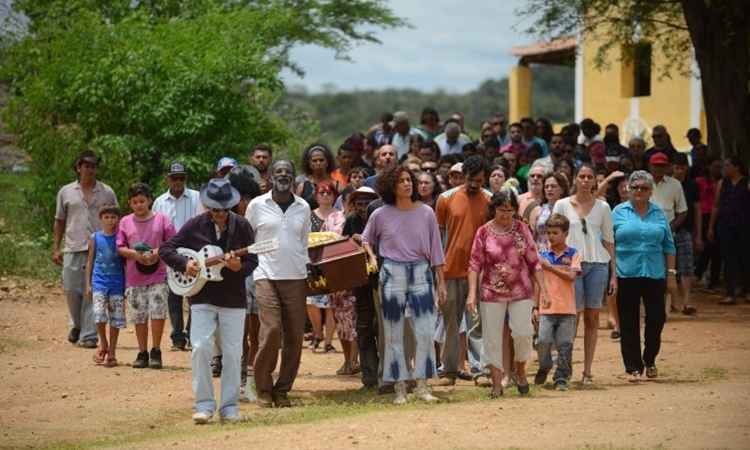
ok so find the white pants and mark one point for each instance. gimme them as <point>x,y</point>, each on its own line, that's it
<point>493,325</point>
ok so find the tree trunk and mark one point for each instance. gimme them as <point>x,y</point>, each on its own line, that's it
<point>721,39</point>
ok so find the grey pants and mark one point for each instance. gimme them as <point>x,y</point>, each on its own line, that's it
<point>74,283</point>
<point>453,314</point>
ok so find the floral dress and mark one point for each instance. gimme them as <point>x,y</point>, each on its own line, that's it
<point>343,302</point>
<point>507,260</point>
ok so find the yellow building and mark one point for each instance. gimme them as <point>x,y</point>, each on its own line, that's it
<point>631,95</point>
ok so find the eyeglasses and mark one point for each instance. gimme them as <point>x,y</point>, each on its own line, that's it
<point>583,226</point>
<point>636,188</point>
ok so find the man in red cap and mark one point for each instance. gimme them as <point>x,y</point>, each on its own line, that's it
<point>670,197</point>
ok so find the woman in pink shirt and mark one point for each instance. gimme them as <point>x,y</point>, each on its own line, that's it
<point>505,255</point>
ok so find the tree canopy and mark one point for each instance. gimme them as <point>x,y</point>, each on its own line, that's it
<point>147,82</point>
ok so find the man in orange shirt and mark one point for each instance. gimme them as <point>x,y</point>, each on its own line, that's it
<point>460,212</point>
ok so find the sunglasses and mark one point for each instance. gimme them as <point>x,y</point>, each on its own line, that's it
<point>583,226</point>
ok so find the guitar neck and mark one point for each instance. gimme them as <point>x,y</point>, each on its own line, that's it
<point>259,247</point>
<point>212,261</point>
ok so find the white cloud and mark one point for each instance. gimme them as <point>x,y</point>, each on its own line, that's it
<point>452,46</point>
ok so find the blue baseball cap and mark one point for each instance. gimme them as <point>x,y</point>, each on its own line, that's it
<point>225,162</point>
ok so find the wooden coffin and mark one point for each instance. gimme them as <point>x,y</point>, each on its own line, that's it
<point>343,264</point>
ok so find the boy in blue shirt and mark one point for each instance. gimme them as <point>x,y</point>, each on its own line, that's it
<point>105,284</point>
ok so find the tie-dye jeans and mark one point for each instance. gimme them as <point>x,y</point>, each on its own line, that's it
<point>407,293</point>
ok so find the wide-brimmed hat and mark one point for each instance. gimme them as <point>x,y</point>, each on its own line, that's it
<point>219,194</point>
<point>363,192</point>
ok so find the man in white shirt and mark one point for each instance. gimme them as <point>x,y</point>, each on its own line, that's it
<point>452,141</point>
<point>668,193</point>
<point>180,204</point>
<point>280,283</point>
<point>402,132</point>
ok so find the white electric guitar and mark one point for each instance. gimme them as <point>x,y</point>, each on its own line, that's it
<point>210,259</point>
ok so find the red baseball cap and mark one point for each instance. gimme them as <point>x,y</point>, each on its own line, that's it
<point>658,159</point>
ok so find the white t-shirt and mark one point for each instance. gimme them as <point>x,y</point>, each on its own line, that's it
<point>670,197</point>
<point>598,229</point>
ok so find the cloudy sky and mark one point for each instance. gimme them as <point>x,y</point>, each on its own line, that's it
<point>452,45</point>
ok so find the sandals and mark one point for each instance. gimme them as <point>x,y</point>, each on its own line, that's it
<point>111,362</point>
<point>496,392</point>
<point>100,355</point>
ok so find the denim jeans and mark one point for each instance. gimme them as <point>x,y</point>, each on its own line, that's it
<point>407,287</point>
<point>206,321</point>
<point>558,330</point>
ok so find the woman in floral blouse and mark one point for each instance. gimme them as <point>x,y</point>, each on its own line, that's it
<point>505,255</point>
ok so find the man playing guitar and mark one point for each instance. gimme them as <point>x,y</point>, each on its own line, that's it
<point>219,306</point>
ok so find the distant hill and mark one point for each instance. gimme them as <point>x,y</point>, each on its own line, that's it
<point>341,113</point>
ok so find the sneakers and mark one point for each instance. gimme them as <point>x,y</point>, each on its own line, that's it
<point>651,372</point>
<point>88,344</point>
<point>155,358</point>
<point>523,389</point>
<point>541,377</point>
<point>201,418</point>
<point>73,335</point>
<point>400,389</point>
<point>423,392</point>
<point>141,361</point>
<point>561,385</point>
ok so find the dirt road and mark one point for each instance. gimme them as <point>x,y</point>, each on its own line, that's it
<point>53,396</point>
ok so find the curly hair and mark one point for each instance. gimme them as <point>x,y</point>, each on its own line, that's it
<point>388,182</point>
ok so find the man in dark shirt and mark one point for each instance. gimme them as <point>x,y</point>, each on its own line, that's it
<point>219,306</point>
<point>662,143</point>
<point>367,331</point>
<point>687,236</point>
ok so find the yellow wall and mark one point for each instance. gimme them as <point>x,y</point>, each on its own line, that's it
<point>519,93</point>
<point>668,104</point>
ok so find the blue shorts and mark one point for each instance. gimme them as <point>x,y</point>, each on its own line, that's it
<point>591,285</point>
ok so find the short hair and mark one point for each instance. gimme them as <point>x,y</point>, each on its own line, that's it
<point>241,178</point>
<point>429,110</point>
<point>416,137</point>
<point>558,221</point>
<point>694,132</point>
<point>110,209</point>
<point>680,159</point>
<point>327,185</point>
<point>527,120</point>
<point>515,124</point>
<point>360,170</point>
<point>451,159</point>
<point>386,117</point>
<point>137,189</point>
<point>263,148</point>
<point>641,175</point>
<point>452,126</point>
<point>638,140</point>
<point>474,165</point>
<point>285,161</point>
<point>505,195</point>
<point>327,154</point>
<point>388,181</point>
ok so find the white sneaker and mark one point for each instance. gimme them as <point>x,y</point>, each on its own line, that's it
<point>400,389</point>
<point>423,392</point>
<point>201,418</point>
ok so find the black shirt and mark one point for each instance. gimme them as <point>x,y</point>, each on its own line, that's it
<point>201,231</point>
<point>690,188</point>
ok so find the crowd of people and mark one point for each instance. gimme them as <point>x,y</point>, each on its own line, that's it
<point>485,250</point>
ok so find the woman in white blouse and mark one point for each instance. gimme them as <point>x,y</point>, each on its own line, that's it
<point>591,234</point>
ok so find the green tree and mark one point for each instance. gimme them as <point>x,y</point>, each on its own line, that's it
<point>151,81</point>
<point>718,31</point>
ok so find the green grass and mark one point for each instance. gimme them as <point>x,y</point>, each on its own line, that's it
<point>714,374</point>
<point>309,408</point>
<point>25,252</point>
